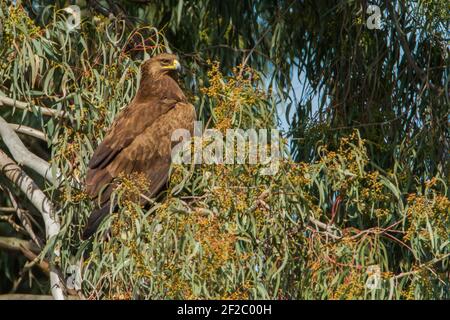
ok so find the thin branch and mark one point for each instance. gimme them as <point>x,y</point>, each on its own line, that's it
<point>5,101</point>
<point>264,34</point>
<point>260,201</point>
<point>419,268</point>
<point>98,7</point>
<point>404,43</point>
<point>26,223</point>
<point>22,155</point>
<point>28,131</point>
<point>393,280</point>
<point>20,296</point>
<point>328,230</point>
<point>18,177</point>
<point>141,1</point>
<point>27,248</point>
<point>7,209</point>
<point>14,225</point>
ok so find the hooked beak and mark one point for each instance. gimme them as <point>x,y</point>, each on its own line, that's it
<point>174,66</point>
<point>177,65</point>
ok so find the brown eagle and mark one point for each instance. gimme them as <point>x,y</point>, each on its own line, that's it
<point>139,140</point>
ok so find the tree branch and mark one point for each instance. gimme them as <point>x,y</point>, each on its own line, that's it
<point>22,155</point>
<point>17,176</point>
<point>26,223</point>
<point>28,249</point>
<point>329,230</point>
<point>7,209</point>
<point>28,131</point>
<point>20,296</point>
<point>5,101</point>
<point>419,268</point>
<point>404,43</point>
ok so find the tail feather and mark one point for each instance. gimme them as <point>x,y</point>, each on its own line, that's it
<point>95,219</point>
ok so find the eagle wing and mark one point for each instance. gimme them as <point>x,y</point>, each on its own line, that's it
<point>131,122</point>
<point>146,149</point>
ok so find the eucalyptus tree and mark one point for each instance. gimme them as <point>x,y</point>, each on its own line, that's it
<point>363,87</point>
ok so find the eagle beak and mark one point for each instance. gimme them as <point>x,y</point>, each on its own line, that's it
<point>174,66</point>
<point>177,65</point>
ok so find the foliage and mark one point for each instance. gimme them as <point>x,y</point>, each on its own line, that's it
<point>363,184</point>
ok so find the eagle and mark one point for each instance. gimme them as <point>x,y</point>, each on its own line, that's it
<point>139,140</point>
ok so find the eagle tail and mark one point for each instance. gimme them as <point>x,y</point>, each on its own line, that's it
<point>95,219</point>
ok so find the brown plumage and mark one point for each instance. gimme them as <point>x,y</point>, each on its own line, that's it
<point>139,140</point>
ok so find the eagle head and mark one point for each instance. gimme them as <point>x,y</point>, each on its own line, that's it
<point>161,64</point>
